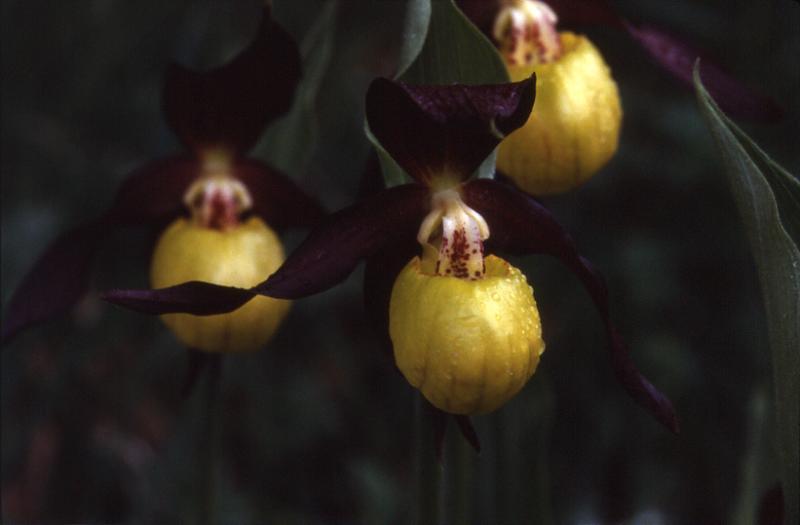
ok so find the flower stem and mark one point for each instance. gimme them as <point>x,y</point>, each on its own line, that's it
<point>459,475</point>
<point>503,485</point>
<point>208,445</point>
<point>429,472</point>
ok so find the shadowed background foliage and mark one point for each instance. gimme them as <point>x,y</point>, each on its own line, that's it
<point>317,427</point>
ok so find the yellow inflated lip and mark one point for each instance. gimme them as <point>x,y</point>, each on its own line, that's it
<point>469,346</point>
<point>573,130</point>
<point>242,256</point>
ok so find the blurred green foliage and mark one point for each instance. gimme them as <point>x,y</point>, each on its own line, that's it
<point>318,427</point>
<point>768,199</point>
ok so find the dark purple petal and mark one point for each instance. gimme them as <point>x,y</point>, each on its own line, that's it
<point>57,280</point>
<point>437,130</point>
<point>332,250</point>
<point>60,276</point>
<point>678,57</point>
<point>468,431</point>
<point>521,225</point>
<point>327,256</point>
<point>276,198</point>
<point>380,272</point>
<point>193,297</point>
<point>154,192</point>
<point>230,105</point>
<point>585,12</point>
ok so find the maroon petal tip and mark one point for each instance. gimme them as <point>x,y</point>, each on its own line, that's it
<point>334,248</point>
<point>677,57</point>
<point>439,430</point>
<point>521,225</point>
<point>193,297</point>
<point>436,130</point>
<point>230,105</point>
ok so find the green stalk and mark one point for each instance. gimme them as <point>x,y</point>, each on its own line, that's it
<point>521,436</point>
<point>208,443</point>
<point>429,472</point>
<point>459,477</point>
<point>503,485</point>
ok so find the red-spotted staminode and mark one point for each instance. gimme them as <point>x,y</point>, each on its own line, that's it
<point>439,135</point>
<point>222,204</point>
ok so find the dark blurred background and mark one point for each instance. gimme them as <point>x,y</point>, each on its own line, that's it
<point>317,428</point>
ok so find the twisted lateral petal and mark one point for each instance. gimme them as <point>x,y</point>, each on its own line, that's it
<point>230,105</point>
<point>276,198</point>
<point>193,297</point>
<point>445,130</point>
<point>57,280</point>
<point>678,58</point>
<point>521,225</point>
<point>331,251</point>
<point>59,277</point>
<point>325,258</point>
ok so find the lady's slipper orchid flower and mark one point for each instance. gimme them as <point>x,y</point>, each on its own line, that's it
<point>669,51</point>
<point>574,129</point>
<point>464,325</point>
<point>219,201</point>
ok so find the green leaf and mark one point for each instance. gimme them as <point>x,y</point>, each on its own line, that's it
<point>287,144</point>
<point>454,50</point>
<point>418,18</point>
<point>441,46</point>
<point>768,198</point>
<point>757,472</point>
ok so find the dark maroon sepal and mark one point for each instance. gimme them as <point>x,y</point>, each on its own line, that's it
<point>57,280</point>
<point>440,419</point>
<point>230,105</point>
<point>332,250</point>
<point>585,12</point>
<point>468,431</point>
<point>439,429</point>
<point>678,57</point>
<point>276,198</point>
<point>193,297</point>
<point>521,225</point>
<point>437,130</point>
<point>154,192</point>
